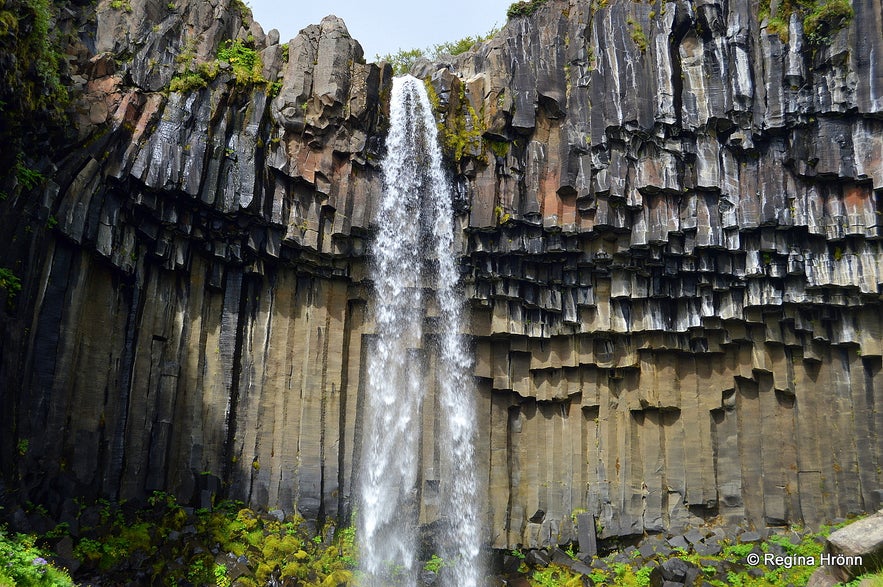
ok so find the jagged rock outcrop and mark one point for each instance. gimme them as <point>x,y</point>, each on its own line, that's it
<point>669,236</point>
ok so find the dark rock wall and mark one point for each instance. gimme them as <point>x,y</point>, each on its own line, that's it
<point>670,241</point>
<point>192,280</point>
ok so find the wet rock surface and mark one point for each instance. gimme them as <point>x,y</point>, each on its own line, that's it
<point>669,236</point>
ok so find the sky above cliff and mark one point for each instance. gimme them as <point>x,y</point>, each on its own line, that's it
<point>384,26</point>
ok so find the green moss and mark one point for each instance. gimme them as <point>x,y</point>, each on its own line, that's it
<point>12,285</point>
<point>191,80</point>
<point>826,19</point>
<point>821,19</point>
<point>501,215</point>
<point>498,148</point>
<point>636,31</point>
<point>778,26</point>
<point>33,98</point>
<point>459,130</point>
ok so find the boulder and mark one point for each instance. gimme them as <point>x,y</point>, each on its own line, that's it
<point>856,549</point>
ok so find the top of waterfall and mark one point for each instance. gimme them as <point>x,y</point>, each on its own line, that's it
<point>385,26</point>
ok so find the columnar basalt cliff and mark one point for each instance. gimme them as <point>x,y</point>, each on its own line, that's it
<point>668,227</point>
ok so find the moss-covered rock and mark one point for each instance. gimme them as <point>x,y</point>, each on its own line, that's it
<point>32,96</point>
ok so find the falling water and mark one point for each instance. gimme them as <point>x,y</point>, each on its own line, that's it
<point>413,249</point>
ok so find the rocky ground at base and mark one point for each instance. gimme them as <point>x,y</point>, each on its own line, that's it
<point>710,557</point>
<point>230,545</point>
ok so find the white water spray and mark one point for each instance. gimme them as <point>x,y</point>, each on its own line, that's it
<point>413,249</point>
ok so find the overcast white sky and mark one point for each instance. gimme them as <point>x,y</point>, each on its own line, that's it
<point>384,26</point>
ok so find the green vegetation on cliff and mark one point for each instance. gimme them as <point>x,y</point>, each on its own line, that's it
<point>460,128</point>
<point>32,96</point>
<point>243,60</point>
<point>825,19</point>
<point>525,8</point>
<point>821,19</point>
<point>10,283</point>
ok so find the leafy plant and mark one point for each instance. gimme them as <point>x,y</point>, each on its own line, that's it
<point>221,577</point>
<point>867,580</point>
<point>737,550</point>
<point>434,564</point>
<point>23,563</point>
<point>124,5</point>
<point>245,61</point>
<point>27,177</point>
<point>642,576</point>
<point>12,285</point>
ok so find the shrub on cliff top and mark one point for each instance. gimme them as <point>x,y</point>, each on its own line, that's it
<point>525,8</point>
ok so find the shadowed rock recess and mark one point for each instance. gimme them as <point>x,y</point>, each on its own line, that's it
<point>668,228</point>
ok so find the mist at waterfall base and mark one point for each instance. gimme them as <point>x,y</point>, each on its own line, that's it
<point>414,268</point>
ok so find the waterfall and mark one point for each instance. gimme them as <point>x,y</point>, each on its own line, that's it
<point>414,267</point>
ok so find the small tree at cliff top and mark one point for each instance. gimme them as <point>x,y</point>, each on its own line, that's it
<point>403,59</point>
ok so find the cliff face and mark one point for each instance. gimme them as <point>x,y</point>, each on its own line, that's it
<point>669,237</point>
